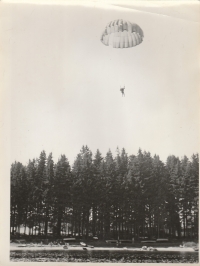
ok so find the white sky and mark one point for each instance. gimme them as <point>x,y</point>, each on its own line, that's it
<point>64,83</point>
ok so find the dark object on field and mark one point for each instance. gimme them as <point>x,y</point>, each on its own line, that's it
<point>125,241</point>
<point>65,247</point>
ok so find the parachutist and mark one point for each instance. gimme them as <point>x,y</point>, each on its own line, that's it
<point>122,91</point>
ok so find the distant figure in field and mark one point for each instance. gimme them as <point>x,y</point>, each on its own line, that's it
<point>122,91</point>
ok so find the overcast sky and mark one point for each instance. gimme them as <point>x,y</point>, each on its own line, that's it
<point>64,83</point>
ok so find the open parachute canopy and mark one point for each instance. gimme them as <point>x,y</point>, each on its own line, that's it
<point>122,34</point>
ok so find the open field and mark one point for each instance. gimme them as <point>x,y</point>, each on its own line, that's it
<point>114,256</point>
<point>104,252</point>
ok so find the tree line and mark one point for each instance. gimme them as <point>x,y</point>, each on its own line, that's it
<point>116,197</point>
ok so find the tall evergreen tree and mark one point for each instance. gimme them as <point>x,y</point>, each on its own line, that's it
<point>61,185</point>
<point>48,191</point>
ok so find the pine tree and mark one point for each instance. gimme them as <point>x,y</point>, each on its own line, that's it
<point>40,182</point>
<point>97,189</point>
<point>31,179</point>
<point>174,182</point>
<point>61,185</point>
<point>194,193</point>
<point>110,196</point>
<point>121,176</point>
<point>48,187</point>
<point>159,196</point>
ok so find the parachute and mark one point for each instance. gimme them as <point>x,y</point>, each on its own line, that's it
<point>122,34</point>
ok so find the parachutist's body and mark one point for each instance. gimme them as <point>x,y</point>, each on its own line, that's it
<point>122,91</point>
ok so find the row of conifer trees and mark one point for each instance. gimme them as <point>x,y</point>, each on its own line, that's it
<point>117,196</point>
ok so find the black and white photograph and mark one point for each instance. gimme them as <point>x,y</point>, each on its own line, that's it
<point>100,131</point>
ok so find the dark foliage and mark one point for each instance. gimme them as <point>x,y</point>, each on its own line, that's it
<point>117,197</point>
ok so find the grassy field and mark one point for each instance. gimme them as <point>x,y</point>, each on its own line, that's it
<point>104,257</point>
<point>101,243</point>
